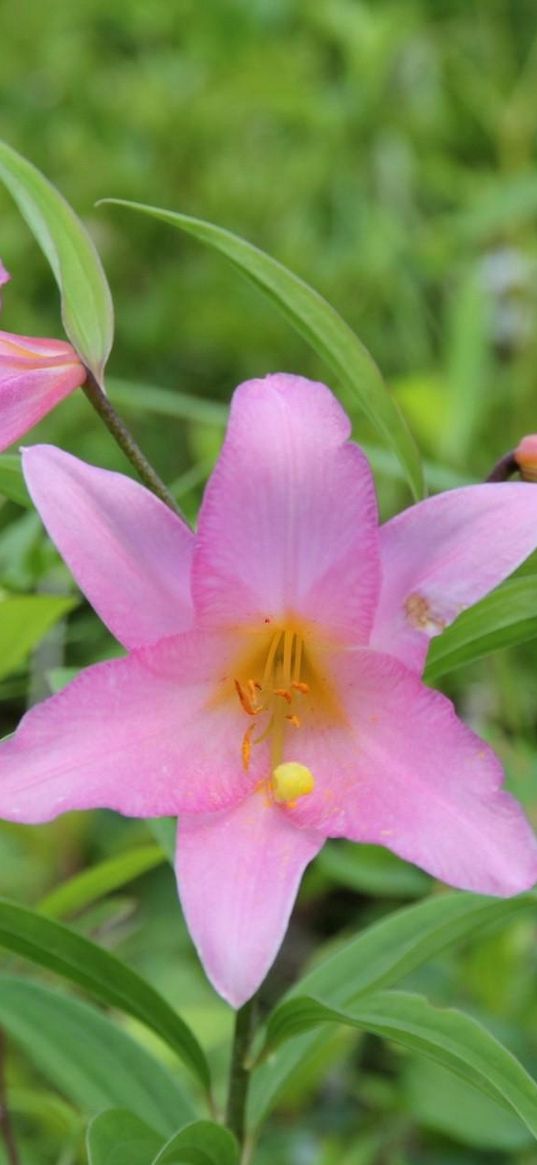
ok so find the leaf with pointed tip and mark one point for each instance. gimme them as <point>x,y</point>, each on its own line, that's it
<point>118,1137</point>
<point>62,950</point>
<point>449,1037</point>
<point>317,321</point>
<point>87,310</point>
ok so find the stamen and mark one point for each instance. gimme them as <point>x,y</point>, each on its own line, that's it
<point>300,686</point>
<point>246,748</point>
<point>294,720</point>
<point>284,693</point>
<point>246,703</point>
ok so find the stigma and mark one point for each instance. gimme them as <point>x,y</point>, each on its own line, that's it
<point>290,781</point>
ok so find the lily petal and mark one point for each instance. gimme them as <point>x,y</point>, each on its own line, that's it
<point>288,522</point>
<point>238,875</point>
<point>406,773</point>
<point>444,554</point>
<point>130,555</point>
<point>146,735</point>
<point>35,375</point>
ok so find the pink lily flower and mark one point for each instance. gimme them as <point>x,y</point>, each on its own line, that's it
<point>35,375</point>
<point>271,694</point>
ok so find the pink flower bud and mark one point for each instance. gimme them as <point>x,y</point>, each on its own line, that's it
<point>526,457</point>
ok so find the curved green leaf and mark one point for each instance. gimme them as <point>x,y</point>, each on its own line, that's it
<point>67,953</point>
<point>318,322</point>
<point>201,1143</point>
<point>504,618</point>
<point>378,957</point>
<point>87,310</point>
<point>118,1137</point>
<point>88,1057</point>
<point>450,1037</point>
<point>90,885</point>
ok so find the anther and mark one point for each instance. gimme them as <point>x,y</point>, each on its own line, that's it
<point>246,748</point>
<point>284,693</point>
<point>247,703</point>
<point>294,720</point>
<point>300,686</point>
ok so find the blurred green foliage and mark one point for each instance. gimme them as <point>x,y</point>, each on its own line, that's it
<point>385,151</point>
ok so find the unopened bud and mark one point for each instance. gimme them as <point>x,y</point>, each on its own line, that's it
<point>526,457</point>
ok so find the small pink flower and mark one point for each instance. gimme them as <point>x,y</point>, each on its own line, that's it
<point>35,375</point>
<point>525,456</point>
<point>271,694</point>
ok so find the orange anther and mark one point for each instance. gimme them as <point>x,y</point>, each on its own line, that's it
<point>284,694</point>
<point>246,748</point>
<point>300,686</point>
<point>294,721</point>
<point>246,702</point>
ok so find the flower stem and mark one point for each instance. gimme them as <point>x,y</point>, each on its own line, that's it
<point>6,1128</point>
<point>239,1073</point>
<point>123,437</point>
<point>504,468</point>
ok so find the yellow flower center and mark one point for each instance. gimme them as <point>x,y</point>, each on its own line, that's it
<point>279,685</point>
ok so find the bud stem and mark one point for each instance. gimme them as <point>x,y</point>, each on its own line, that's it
<point>124,438</point>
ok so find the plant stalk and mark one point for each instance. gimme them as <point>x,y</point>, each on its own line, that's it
<point>6,1128</point>
<point>124,438</point>
<point>239,1073</point>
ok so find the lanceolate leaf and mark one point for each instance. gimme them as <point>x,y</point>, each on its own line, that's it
<point>118,1137</point>
<point>201,1143</point>
<point>318,322</point>
<point>379,957</point>
<point>451,1038</point>
<point>67,953</point>
<point>87,310</point>
<point>504,618</point>
<point>88,1057</point>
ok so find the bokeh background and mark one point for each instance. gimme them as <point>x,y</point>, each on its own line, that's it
<point>386,152</point>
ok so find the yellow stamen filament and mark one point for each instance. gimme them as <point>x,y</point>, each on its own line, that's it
<point>291,781</point>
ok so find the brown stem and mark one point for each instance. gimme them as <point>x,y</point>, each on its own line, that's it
<point>504,468</point>
<point>6,1128</point>
<point>124,438</point>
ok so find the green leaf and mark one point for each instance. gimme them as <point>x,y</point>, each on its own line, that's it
<point>91,1060</point>
<point>90,885</point>
<point>449,1037</point>
<point>87,310</point>
<point>118,1137</point>
<point>24,620</point>
<point>504,618</point>
<point>441,1101</point>
<point>140,399</point>
<point>372,869</point>
<point>318,322</point>
<point>67,953</point>
<point>380,956</point>
<point>201,1143</point>
<point>12,484</point>
<point>164,830</point>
